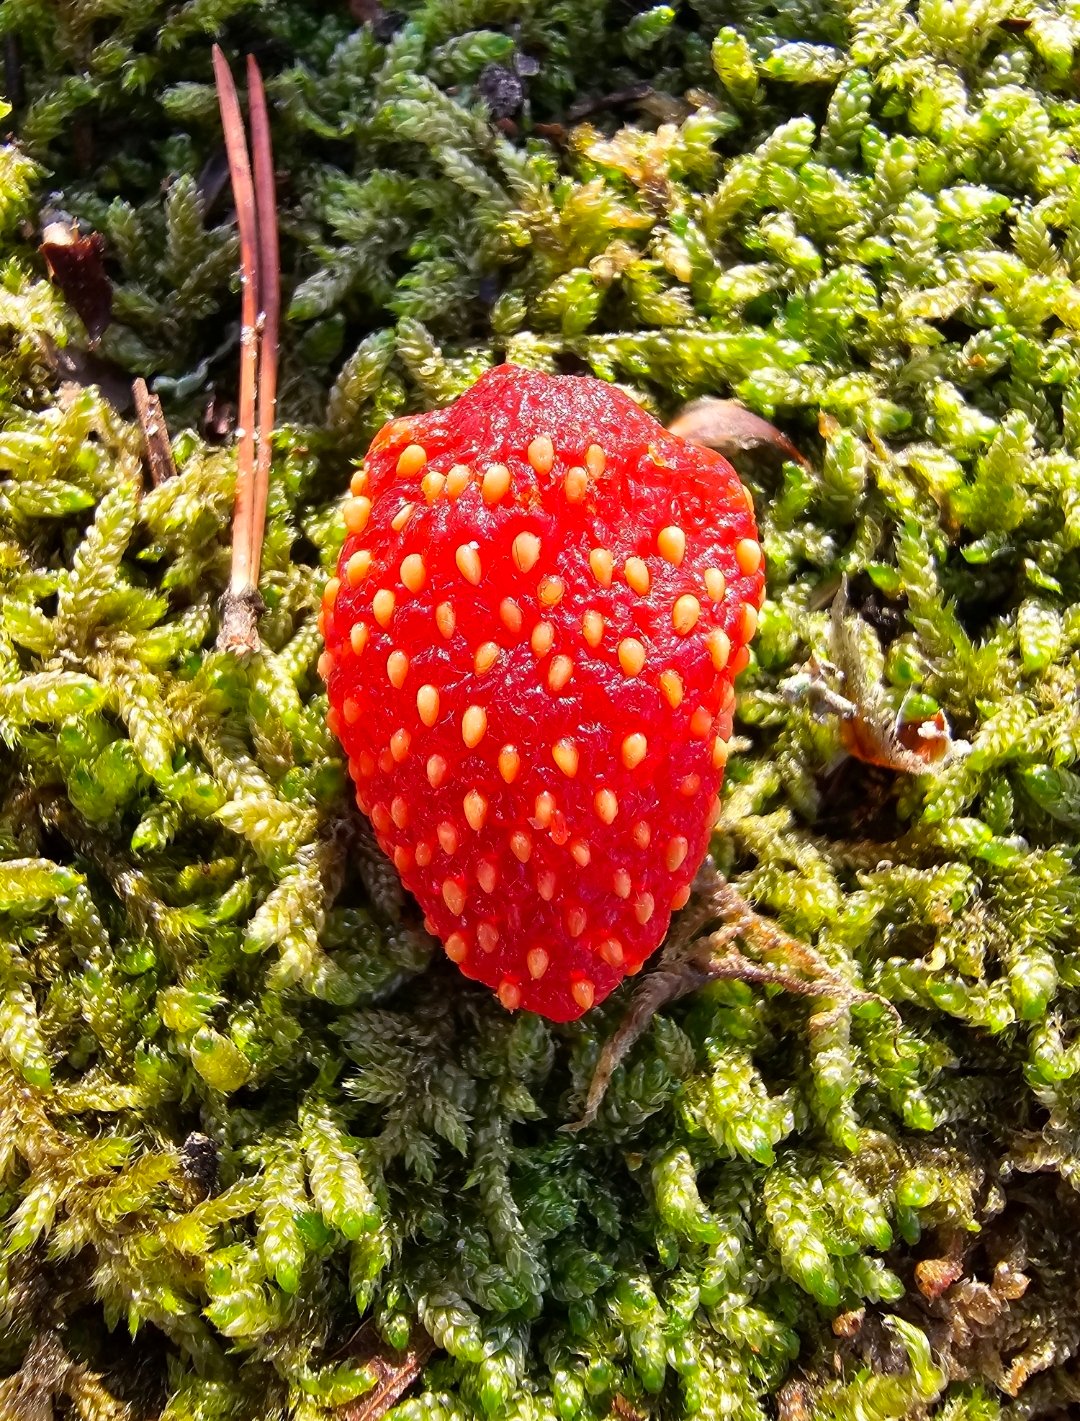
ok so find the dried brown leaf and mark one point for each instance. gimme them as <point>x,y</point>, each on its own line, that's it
<point>75,264</point>
<point>869,729</point>
<point>732,429</point>
<point>935,1276</point>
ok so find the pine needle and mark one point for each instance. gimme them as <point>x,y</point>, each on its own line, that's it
<point>269,304</point>
<point>260,307</point>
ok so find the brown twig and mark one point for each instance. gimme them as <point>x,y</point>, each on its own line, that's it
<point>257,223</point>
<point>159,454</point>
<point>395,1371</point>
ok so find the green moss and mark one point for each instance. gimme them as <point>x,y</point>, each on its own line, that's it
<point>242,1105</point>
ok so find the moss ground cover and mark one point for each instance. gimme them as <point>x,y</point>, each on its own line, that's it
<point>243,1107</point>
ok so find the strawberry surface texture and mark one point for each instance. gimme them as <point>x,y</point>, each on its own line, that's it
<point>541,605</point>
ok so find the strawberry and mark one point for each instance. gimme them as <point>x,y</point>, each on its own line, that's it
<point>542,601</point>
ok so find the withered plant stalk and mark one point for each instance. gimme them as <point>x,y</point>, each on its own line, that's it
<point>256,217</point>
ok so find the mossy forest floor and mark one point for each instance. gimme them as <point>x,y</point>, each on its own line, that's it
<point>244,1109</point>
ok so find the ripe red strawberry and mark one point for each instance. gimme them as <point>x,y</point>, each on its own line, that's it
<point>540,607</point>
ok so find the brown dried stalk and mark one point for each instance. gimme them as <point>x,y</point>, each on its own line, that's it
<point>259,317</point>
<point>395,1372</point>
<point>269,302</point>
<point>155,433</point>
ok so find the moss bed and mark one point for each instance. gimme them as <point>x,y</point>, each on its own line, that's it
<point>262,1153</point>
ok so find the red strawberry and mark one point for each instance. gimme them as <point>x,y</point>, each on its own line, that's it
<point>540,607</point>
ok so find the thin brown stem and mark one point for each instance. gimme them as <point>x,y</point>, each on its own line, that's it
<point>668,982</point>
<point>395,1372</point>
<point>269,300</point>
<point>764,936</point>
<point>240,604</point>
<point>730,965</point>
<point>688,962</point>
<point>159,455</point>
